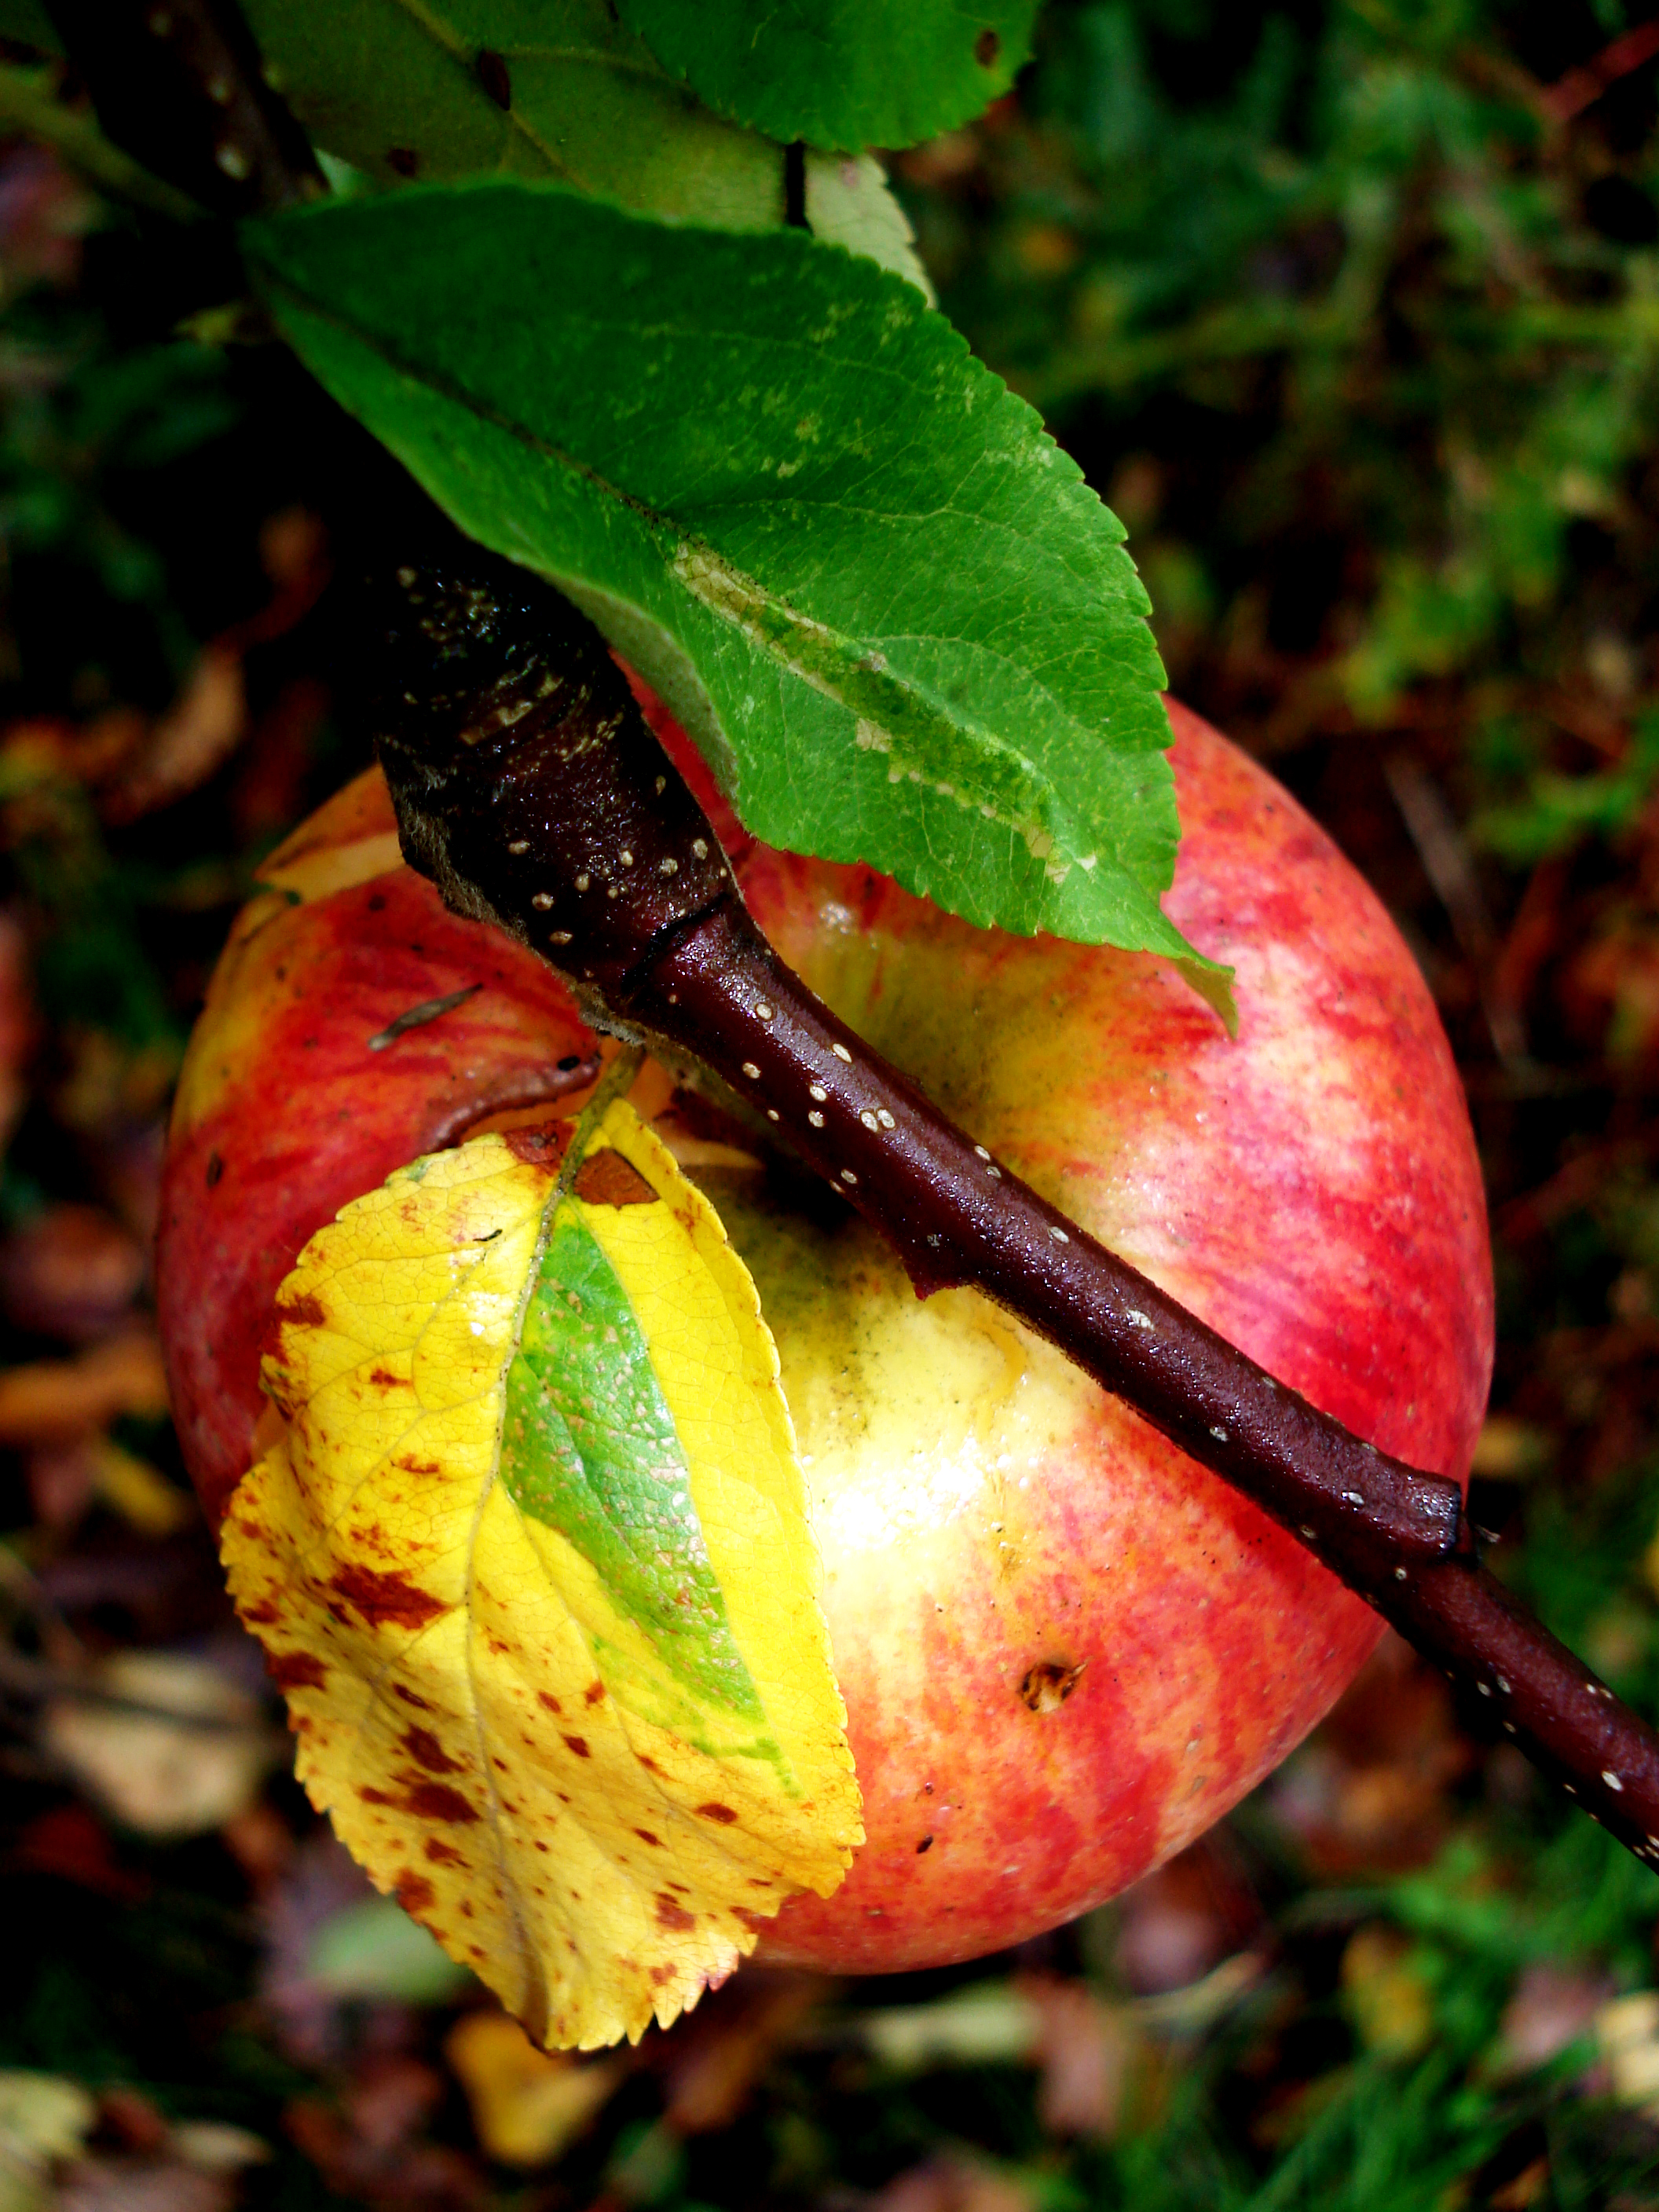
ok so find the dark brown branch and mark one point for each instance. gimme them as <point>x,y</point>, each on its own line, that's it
<point>177,84</point>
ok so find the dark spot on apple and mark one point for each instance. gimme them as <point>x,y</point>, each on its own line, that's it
<point>1046,1686</point>
<point>492,74</point>
<point>385,1599</point>
<point>424,1748</point>
<point>303,1313</point>
<point>410,1698</point>
<point>403,161</point>
<point>436,1800</point>
<point>926,1845</point>
<point>377,899</point>
<point>571,1060</point>
<point>295,1671</point>
<point>646,1836</point>
<point>987,47</point>
<point>546,1697</point>
<point>579,1745</point>
<point>593,1692</point>
<point>414,1891</point>
<point>670,1914</point>
<point>609,1180</point>
<point>215,1168</point>
<point>443,1854</point>
<point>723,1814</point>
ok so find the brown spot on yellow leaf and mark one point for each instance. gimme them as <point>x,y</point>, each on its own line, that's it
<point>424,1748</point>
<point>672,1915</point>
<point>402,1690</point>
<point>385,1600</point>
<point>579,1745</point>
<point>436,1800</point>
<point>607,1179</point>
<point>723,1814</point>
<point>307,1312</point>
<point>295,1671</point>
<point>443,1853</point>
<point>546,1697</point>
<point>593,1692</point>
<point>383,1378</point>
<point>646,1836</point>
<point>757,1922</point>
<point>414,1893</point>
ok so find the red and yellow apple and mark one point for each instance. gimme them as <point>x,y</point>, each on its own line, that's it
<point>1064,1648</point>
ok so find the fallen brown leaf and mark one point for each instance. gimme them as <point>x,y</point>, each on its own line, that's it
<point>528,2106</point>
<point>51,1400</point>
<point>187,745</point>
<point>69,1271</point>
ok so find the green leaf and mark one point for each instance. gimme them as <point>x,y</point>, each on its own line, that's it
<point>888,607</point>
<point>845,73</point>
<point>551,89</point>
<point>546,89</point>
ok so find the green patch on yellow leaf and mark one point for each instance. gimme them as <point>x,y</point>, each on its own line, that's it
<point>531,1562</point>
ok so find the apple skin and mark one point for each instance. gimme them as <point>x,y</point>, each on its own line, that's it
<point>1065,1649</point>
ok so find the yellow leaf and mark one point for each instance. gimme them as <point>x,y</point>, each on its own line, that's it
<point>527,2106</point>
<point>533,1562</point>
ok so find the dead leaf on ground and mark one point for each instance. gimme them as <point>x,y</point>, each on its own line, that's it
<point>714,2065</point>
<point>142,2185</point>
<point>1085,2048</point>
<point>528,2107</point>
<point>184,1751</point>
<point>952,2183</point>
<point>53,1400</point>
<point>185,746</point>
<point>405,2176</point>
<point>1552,2006</point>
<point>69,1271</point>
